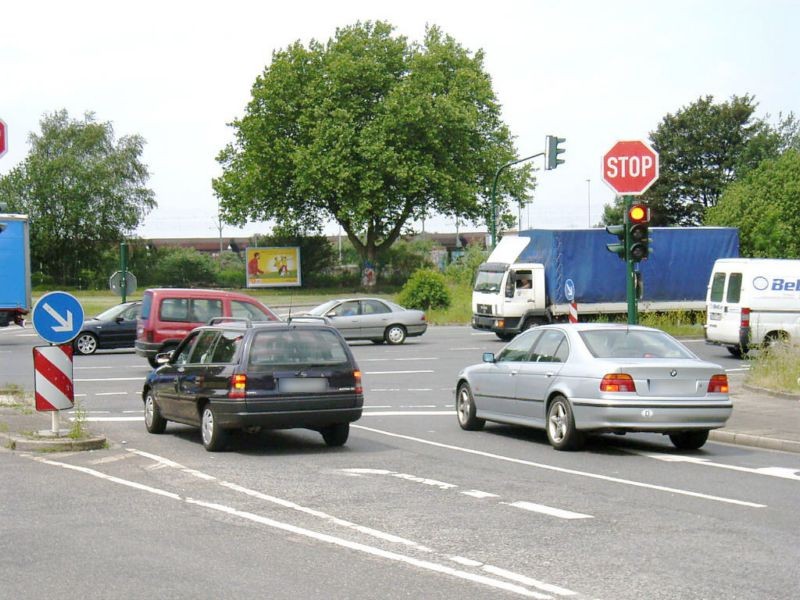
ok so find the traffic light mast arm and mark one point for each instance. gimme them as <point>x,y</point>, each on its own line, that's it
<point>494,193</point>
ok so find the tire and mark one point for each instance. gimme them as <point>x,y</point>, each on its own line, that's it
<point>214,436</point>
<point>774,340</point>
<point>466,409</point>
<point>378,342</point>
<point>689,440</point>
<point>736,351</point>
<point>395,335</point>
<point>153,420</point>
<point>506,337</point>
<point>561,431</point>
<point>336,435</point>
<point>85,343</point>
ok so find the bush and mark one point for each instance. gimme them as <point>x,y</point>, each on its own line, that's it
<point>185,267</point>
<point>425,289</point>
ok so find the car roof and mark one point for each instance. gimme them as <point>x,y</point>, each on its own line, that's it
<point>200,293</point>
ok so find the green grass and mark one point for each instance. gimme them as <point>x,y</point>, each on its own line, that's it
<point>777,368</point>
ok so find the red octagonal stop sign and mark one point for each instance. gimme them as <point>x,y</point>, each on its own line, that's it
<point>630,167</point>
<point>3,137</point>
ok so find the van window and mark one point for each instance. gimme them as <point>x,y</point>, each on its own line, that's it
<point>204,309</point>
<point>246,310</point>
<point>717,287</point>
<point>734,288</point>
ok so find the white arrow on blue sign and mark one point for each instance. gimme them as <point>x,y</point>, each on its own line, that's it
<point>569,290</point>
<point>58,317</point>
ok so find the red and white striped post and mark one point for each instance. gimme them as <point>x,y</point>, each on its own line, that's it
<point>573,312</point>
<point>52,384</point>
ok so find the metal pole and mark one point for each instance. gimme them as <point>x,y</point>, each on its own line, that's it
<point>123,267</point>
<point>630,286</point>
<point>493,227</point>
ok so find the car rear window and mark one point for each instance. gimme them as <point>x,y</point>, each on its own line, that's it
<point>307,347</point>
<point>189,310</point>
<point>252,311</point>
<point>147,302</point>
<point>622,343</point>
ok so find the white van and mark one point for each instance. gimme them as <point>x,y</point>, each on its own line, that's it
<point>753,301</point>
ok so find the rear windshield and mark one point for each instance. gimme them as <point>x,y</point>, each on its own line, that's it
<point>623,343</point>
<point>734,288</point>
<point>306,347</point>
<point>717,287</point>
<point>147,302</point>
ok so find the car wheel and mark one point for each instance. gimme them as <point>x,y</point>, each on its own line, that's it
<point>689,440</point>
<point>85,343</point>
<point>214,436</point>
<point>153,420</point>
<point>395,334</point>
<point>465,409</point>
<point>336,435</point>
<point>561,431</point>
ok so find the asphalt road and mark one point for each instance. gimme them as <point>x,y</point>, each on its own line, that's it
<point>411,507</point>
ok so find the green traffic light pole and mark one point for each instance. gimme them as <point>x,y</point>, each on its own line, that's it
<point>123,267</point>
<point>494,193</point>
<point>630,286</point>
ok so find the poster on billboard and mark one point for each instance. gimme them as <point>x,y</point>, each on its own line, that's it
<point>273,267</point>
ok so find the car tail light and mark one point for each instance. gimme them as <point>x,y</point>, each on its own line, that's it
<point>745,317</point>
<point>357,377</point>
<point>423,317</point>
<point>718,384</point>
<point>617,382</point>
<point>238,386</point>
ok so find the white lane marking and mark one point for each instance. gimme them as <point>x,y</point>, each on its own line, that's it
<point>110,459</point>
<point>397,359</point>
<point>425,481</point>
<point>545,587</point>
<point>529,463</point>
<point>112,379</point>
<point>736,369</point>
<point>417,406</point>
<point>315,535</point>
<point>548,510</point>
<point>408,413</point>
<point>360,471</point>
<point>467,348</point>
<point>467,562</point>
<point>782,472</point>
<point>479,494</point>
<point>110,419</point>
<point>384,390</point>
<point>397,372</point>
<point>111,394</point>
<point>419,390</point>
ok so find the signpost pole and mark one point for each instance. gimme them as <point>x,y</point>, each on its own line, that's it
<point>123,266</point>
<point>630,283</point>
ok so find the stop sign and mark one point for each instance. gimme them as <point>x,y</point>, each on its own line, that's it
<point>3,137</point>
<point>630,167</point>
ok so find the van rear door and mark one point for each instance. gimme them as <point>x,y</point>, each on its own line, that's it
<point>724,310</point>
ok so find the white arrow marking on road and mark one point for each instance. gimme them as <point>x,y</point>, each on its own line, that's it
<point>64,325</point>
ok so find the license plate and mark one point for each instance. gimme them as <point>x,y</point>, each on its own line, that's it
<point>715,316</point>
<point>303,384</point>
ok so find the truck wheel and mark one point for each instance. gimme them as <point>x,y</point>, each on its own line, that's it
<point>775,339</point>
<point>689,440</point>
<point>561,431</point>
<point>737,351</point>
<point>506,337</point>
<point>85,343</point>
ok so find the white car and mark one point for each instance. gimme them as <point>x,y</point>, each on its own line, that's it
<point>575,379</point>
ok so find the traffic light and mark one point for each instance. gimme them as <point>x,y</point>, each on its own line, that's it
<point>552,152</point>
<point>639,219</point>
<point>617,248</point>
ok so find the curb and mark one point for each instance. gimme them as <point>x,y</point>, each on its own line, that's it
<point>756,441</point>
<point>773,393</point>
<point>52,444</point>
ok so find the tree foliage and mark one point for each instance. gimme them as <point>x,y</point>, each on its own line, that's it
<point>765,206</point>
<point>83,191</point>
<point>703,148</point>
<point>371,131</point>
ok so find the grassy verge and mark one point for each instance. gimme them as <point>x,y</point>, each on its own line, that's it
<point>776,369</point>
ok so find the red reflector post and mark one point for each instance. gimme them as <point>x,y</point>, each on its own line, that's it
<point>617,382</point>
<point>718,384</point>
<point>745,317</point>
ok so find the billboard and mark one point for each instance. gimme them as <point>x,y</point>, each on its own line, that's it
<point>273,267</point>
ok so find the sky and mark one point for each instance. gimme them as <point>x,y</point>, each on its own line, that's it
<point>593,72</point>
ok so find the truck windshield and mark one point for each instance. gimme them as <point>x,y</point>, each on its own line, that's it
<point>488,281</point>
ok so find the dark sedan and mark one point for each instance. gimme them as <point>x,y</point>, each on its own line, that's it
<point>113,328</point>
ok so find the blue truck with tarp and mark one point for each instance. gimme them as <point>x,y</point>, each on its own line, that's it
<point>535,276</point>
<point>15,269</point>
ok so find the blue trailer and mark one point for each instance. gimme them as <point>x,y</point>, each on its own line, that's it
<point>15,269</point>
<point>574,265</point>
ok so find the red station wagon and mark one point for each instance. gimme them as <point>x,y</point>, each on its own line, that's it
<point>168,314</point>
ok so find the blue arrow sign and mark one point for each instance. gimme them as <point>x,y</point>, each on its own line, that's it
<point>569,290</point>
<point>58,317</point>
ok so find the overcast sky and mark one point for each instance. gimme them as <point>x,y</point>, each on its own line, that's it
<point>178,72</point>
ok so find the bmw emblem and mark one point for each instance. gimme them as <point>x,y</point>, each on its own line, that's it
<point>673,373</point>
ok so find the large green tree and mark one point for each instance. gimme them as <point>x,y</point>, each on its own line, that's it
<point>702,148</point>
<point>370,131</point>
<point>765,206</point>
<point>82,189</point>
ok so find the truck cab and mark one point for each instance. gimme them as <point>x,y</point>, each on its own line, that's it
<point>508,298</point>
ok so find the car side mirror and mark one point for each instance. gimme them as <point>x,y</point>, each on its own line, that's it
<point>119,319</point>
<point>488,357</point>
<point>163,358</point>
